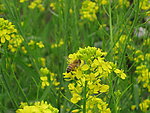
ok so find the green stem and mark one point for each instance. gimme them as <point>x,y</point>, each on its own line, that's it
<point>84,98</point>
<point>110,24</point>
<point>19,85</point>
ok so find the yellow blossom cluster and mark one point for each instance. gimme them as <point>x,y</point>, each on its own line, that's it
<point>32,44</point>
<point>145,4</point>
<point>102,2</point>
<point>118,46</point>
<point>61,42</point>
<point>95,104</point>
<point>91,73</point>
<point>21,1</point>
<point>57,5</point>
<point>144,76</point>
<point>139,56</point>
<point>9,35</point>
<point>146,42</point>
<point>88,10</point>
<point>37,107</point>
<point>145,105</point>
<point>122,3</point>
<point>53,79</point>
<point>34,4</point>
<point>45,82</point>
<point>44,79</point>
<point>100,108</point>
<point>44,71</point>
<point>42,61</point>
<point>53,5</point>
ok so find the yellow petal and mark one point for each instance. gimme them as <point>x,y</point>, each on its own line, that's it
<point>85,67</point>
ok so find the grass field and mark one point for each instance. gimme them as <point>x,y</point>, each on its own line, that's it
<point>74,56</point>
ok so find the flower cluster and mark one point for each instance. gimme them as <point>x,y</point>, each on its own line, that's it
<point>21,1</point>
<point>95,104</point>
<point>144,75</point>
<point>144,106</point>
<point>118,48</point>
<point>32,43</point>
<point>144,4</point>
<point>44,79</point>
<point>34,4</point>
<point>88,10</point>
<point>37,107</point>
<point>91,74</point>
<point>122,3</point>
<point>53,79</point>
<point>57,5</point>
<point>45,82</point>
<point>102,2</point>
<point>146,42</point>
<point>61,42</point>
<point>139,56</point>
<point>42,61</point>
<point>9,35</point>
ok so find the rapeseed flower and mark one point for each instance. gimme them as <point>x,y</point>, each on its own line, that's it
<point>91,73</point>
<point>88,10</point>
<point>40,44</point>
<point>53,79</point>
<point>97,105</point>
<point>37,107</point>
<point>55,45</point>
<point>45,82</point>
<point>24,50</point>
<point>122,3</point>
<point>38,4</point>
<point>44,71</point>
<point>144,106</point>
<point>102,2</point>
<point>144,75</point>
<point>133,107</point>
<point>144,4</point>
<point>42,61</point>
<point>9,35</point>
<point>21,1</point>
<point>33,43</point>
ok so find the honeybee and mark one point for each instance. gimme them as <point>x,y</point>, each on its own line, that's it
<point>73,65</point>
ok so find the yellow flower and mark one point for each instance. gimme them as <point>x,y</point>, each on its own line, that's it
<point>44,71</point>
<point>31,43</point>
<point>37,107</point>
<point>89,10</point>
<point>24,49</point>
<point>21,1</point>
<point>40,44</point>
<point>42,61</point>
<point>85,67</point>
<point>75,111</point>
<point>104,88</point>
<point>32,5</point>
<point>38,4</point>
<point>120,73</point>
<point>133,107</point>
<point>75,98</point>
<point>144,105</point>
<point>45,82</point>
<point>53,6</point>
<point>9,35</point>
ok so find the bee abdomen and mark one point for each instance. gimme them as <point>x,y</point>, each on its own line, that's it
<point>69,68</point>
